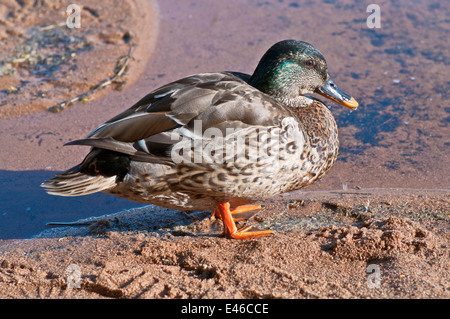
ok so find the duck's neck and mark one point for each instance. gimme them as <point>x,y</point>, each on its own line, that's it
<point>267,86</point>
<point>297,102</point>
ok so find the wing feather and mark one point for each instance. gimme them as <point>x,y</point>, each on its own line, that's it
<point>221,100</point>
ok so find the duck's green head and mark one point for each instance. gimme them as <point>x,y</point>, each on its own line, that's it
<point>291,69</point>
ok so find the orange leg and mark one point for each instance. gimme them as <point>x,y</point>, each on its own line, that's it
<point>237,210</point>
<point>230,229</point>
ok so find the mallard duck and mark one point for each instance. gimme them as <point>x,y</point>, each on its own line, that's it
<point>218,141</point>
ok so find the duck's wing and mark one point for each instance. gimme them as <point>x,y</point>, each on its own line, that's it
<point>148,129</point>
<point>170,106</point>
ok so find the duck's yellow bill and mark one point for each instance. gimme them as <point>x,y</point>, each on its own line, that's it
<point>352,103</point>
<point>331,91</point>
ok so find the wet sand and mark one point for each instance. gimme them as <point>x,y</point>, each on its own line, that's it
<point>393,213</point>
<point>45,63</point>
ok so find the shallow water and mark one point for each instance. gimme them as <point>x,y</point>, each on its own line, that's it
<point>398,137</point>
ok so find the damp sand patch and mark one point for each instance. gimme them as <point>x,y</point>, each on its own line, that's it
<point>46,65</point>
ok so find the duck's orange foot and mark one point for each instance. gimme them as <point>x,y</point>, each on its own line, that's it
<point>240,210</point>
<point>244,233</point>
<point>230,230</point>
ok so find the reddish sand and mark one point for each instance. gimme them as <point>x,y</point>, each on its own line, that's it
<point>384,236</point>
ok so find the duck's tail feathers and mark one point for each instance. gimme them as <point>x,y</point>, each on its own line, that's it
<point>75,183</point>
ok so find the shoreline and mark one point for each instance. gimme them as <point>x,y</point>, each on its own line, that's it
<point>321,249</point>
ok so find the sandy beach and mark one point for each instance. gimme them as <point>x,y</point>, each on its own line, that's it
<point>377,226</point>
<point>326,246</point>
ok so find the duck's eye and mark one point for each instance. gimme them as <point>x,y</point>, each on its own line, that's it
<point>309,62</point>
